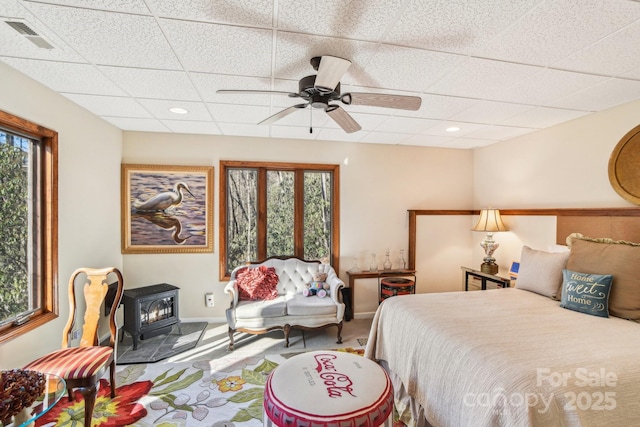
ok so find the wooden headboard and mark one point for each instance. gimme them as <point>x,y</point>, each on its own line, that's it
<point>616,223</point>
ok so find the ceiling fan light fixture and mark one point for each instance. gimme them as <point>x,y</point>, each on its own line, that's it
<point>330,71</point>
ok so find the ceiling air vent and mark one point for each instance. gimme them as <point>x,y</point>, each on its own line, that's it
<point>29,33</point>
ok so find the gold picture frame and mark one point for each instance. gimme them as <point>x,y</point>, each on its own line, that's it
<point>166,209</point>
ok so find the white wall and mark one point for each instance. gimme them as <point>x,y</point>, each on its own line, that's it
<point>379,183</point>
<point>560,167</point>
<point>88,190</point>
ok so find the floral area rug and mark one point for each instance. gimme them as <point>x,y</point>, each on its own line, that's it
<point>225,392</point>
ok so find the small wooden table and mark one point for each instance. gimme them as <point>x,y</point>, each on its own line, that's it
<point>501,282</point>
<point>376,274</point>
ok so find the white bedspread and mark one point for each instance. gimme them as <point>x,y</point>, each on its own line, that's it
<point>509,357</point>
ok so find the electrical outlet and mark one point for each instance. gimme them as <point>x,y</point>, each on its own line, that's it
<point>75,334</point>
<point>208,300</point>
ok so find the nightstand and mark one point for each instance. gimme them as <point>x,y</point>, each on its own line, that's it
<point>476,280</point>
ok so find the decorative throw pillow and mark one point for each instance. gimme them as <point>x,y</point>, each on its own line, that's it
<point>541,272</point>
<point>586,293</point>
<point>616,257</point>
<point>260,283</point>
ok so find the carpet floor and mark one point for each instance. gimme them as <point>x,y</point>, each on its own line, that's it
<point>161,347</point>
<point>223,392</point>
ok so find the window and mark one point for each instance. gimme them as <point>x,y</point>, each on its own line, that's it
<point>277,209</point>
<point>28,226</point>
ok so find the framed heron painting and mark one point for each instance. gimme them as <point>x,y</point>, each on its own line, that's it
<point>166,209</point>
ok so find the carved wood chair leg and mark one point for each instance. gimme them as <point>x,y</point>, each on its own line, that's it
<point>287,330</point>
<point>89,394</point>
<point>231,339</point>
<point>339,333</point>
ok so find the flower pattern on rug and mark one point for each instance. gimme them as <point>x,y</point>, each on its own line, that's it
<point>119,411</point>
<point>227,392</point>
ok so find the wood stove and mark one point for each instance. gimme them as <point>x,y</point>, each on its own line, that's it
<point>150,311</point>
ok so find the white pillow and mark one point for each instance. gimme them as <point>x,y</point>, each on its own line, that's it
<point>541,272</point>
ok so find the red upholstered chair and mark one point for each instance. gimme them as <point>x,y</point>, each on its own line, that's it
<point>83,366</point>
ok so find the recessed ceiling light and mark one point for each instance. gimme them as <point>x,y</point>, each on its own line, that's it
<point>452,129</point>
<point>177,110</point>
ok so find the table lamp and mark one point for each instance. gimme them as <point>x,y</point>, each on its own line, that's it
<point>489,222</point>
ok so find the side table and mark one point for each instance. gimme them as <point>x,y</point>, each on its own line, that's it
<point>54,390</point>
<point>499,281</point>
<point>376,274</point>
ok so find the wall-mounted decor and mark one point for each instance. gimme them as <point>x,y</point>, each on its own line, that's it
<point>623,166</point>
<point>166,209</point>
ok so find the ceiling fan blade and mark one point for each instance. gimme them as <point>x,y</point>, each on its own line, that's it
<point>281,114</point>
<point>401,102</point>
<point>265,92</point>
<point>330,71</point>
<point>342,118</point>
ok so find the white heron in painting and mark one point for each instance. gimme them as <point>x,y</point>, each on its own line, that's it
<point>163,201</point>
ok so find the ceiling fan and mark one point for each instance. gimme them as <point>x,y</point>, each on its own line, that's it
<point>318,91</point>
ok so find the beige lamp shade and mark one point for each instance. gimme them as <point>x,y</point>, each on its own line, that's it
<point>490,221</point>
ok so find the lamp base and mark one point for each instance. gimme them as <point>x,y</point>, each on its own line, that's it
<point>489,268</point>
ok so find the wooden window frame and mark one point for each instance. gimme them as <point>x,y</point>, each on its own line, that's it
<point>46,253</point>
<point>262,168</point>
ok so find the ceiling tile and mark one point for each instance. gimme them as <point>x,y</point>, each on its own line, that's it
<point>15,44</point>
<point>66,77</point>
<point>240,129</point>
<point>364,20</point>
<point>481,78</point>
<point>338,134</point>
<point>405,125</point>
<point>298,132</point>
<point>427,140</point>
<point>189,126</point>
<point>294,51</point>
<point>406,68</point>
<point>499,133</point>
<point>250,114</point>
<point>542,117</point>
<point>490,112</point>
<point>470,23</point>
<point>128,6</point>
<point>385,137</point>
<point>109,105</point>
<point>604,95</point>
<point>611,56</point>
<point>196,111</point>
<point>257,13</point>
<point>213,48</point>
<point>157,84</point>
<point>140,125</point>
<point>109,38</point>
<point>558,28</point>
<point>546,86</point>
<point>440,128</point>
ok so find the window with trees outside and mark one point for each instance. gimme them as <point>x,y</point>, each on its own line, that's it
<point>28,226</point>
<point>277,209</point>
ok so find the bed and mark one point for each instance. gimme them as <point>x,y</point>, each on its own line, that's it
<point>515,357</point>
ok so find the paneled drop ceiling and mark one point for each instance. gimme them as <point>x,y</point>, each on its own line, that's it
<point>495,69</point>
